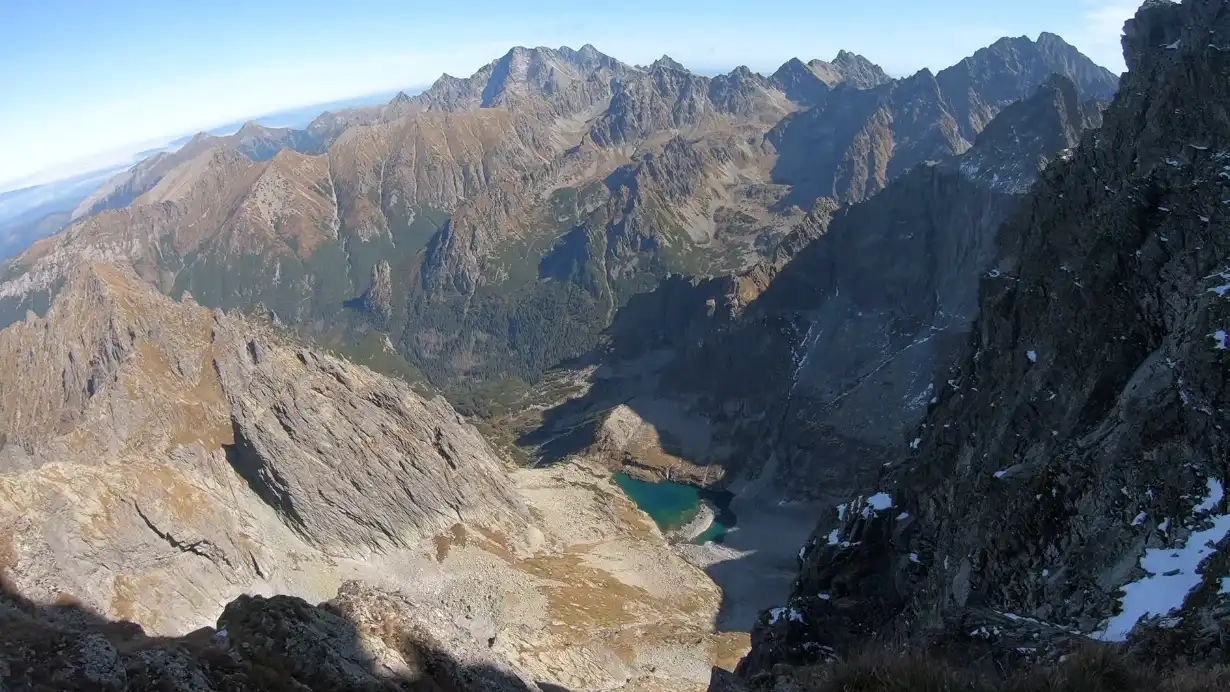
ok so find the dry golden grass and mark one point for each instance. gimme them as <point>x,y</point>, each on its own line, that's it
<point>729,648</point>
<point>125,599</point>
<point>456,536</point>
<point>64,599</point>
<point>637,523</point>
<point>497,544</point>
<point>181,498</point>
<point>582,599</point>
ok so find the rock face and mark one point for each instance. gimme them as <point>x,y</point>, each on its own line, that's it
<point>845,330</point>
<point>855,140</point>
<point>352,460</point>
<point>364,639</point>
<point>976,90</point>
<point>1069,474</point>
<point>379,298</point>
<point>159,459</point>
<point>253,141</point>
<point>849,68</point>
<point>567,82</point>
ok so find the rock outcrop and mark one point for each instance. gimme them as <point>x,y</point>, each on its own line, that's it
<point>1069,474</point>
<point>363,639</point>
<point>160,459</point>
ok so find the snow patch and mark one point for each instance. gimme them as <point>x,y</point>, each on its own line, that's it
<point>903,516</point>
<point>1032,356</point>
<point>914,559</point>
<point>880,501</point>
<point>1213,499</point>
<point>791,614</point>
<point>834,537</point>
<point>1172,572</point>
<point>1220,340</point>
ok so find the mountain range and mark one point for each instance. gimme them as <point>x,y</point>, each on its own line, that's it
<point>512,212</point>
<point>949,347</point>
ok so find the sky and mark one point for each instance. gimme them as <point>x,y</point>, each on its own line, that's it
<point>86,83</point>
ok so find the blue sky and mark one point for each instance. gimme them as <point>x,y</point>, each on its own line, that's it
<point>86,81</point>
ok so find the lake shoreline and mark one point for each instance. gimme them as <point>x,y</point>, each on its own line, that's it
<point>706,514</point>
<point>684,513</point>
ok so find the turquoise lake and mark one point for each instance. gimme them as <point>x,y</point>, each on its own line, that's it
<point>672,505</point>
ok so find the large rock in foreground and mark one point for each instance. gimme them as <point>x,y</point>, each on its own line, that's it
<point>364,639</point>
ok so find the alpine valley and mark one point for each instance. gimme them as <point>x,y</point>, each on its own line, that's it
<point>943,356</point>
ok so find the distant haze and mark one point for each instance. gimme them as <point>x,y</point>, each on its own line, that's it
<point>123,77</point>
<point>131,153</point>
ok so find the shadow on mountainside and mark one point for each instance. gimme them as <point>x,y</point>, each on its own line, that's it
<point>757,561</point>
<point>642,341</point>
<point>278,643</point>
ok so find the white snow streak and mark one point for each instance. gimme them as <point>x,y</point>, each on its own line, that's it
<point>880,501</point>
<point>1172,573</point>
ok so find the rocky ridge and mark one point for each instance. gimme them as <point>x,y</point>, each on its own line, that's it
<point>151,420</point>
<point>1068,476</point>
<point>253,141</point>
<point>832,345</point>
<point>547,189</point>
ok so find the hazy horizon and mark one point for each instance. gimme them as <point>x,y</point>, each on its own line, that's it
<point>118,80</point>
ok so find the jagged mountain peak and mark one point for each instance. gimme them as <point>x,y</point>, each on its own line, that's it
<point>403,97</point>
<point>563,80</point>
<point>1154,34</point>
<point>744,72</point>
<point>669,63</point>
<point>1026,135</point>
<point>1050,53</point>
<point>849,68</point>
<point>1007,70</point>
<point>254,129</point>
<point>199,141</point>
<point>793,65</point>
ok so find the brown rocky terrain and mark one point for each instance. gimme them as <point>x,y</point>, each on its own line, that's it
<point>253,141</point>
<point>162,460</point>
<point>150,419</point>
